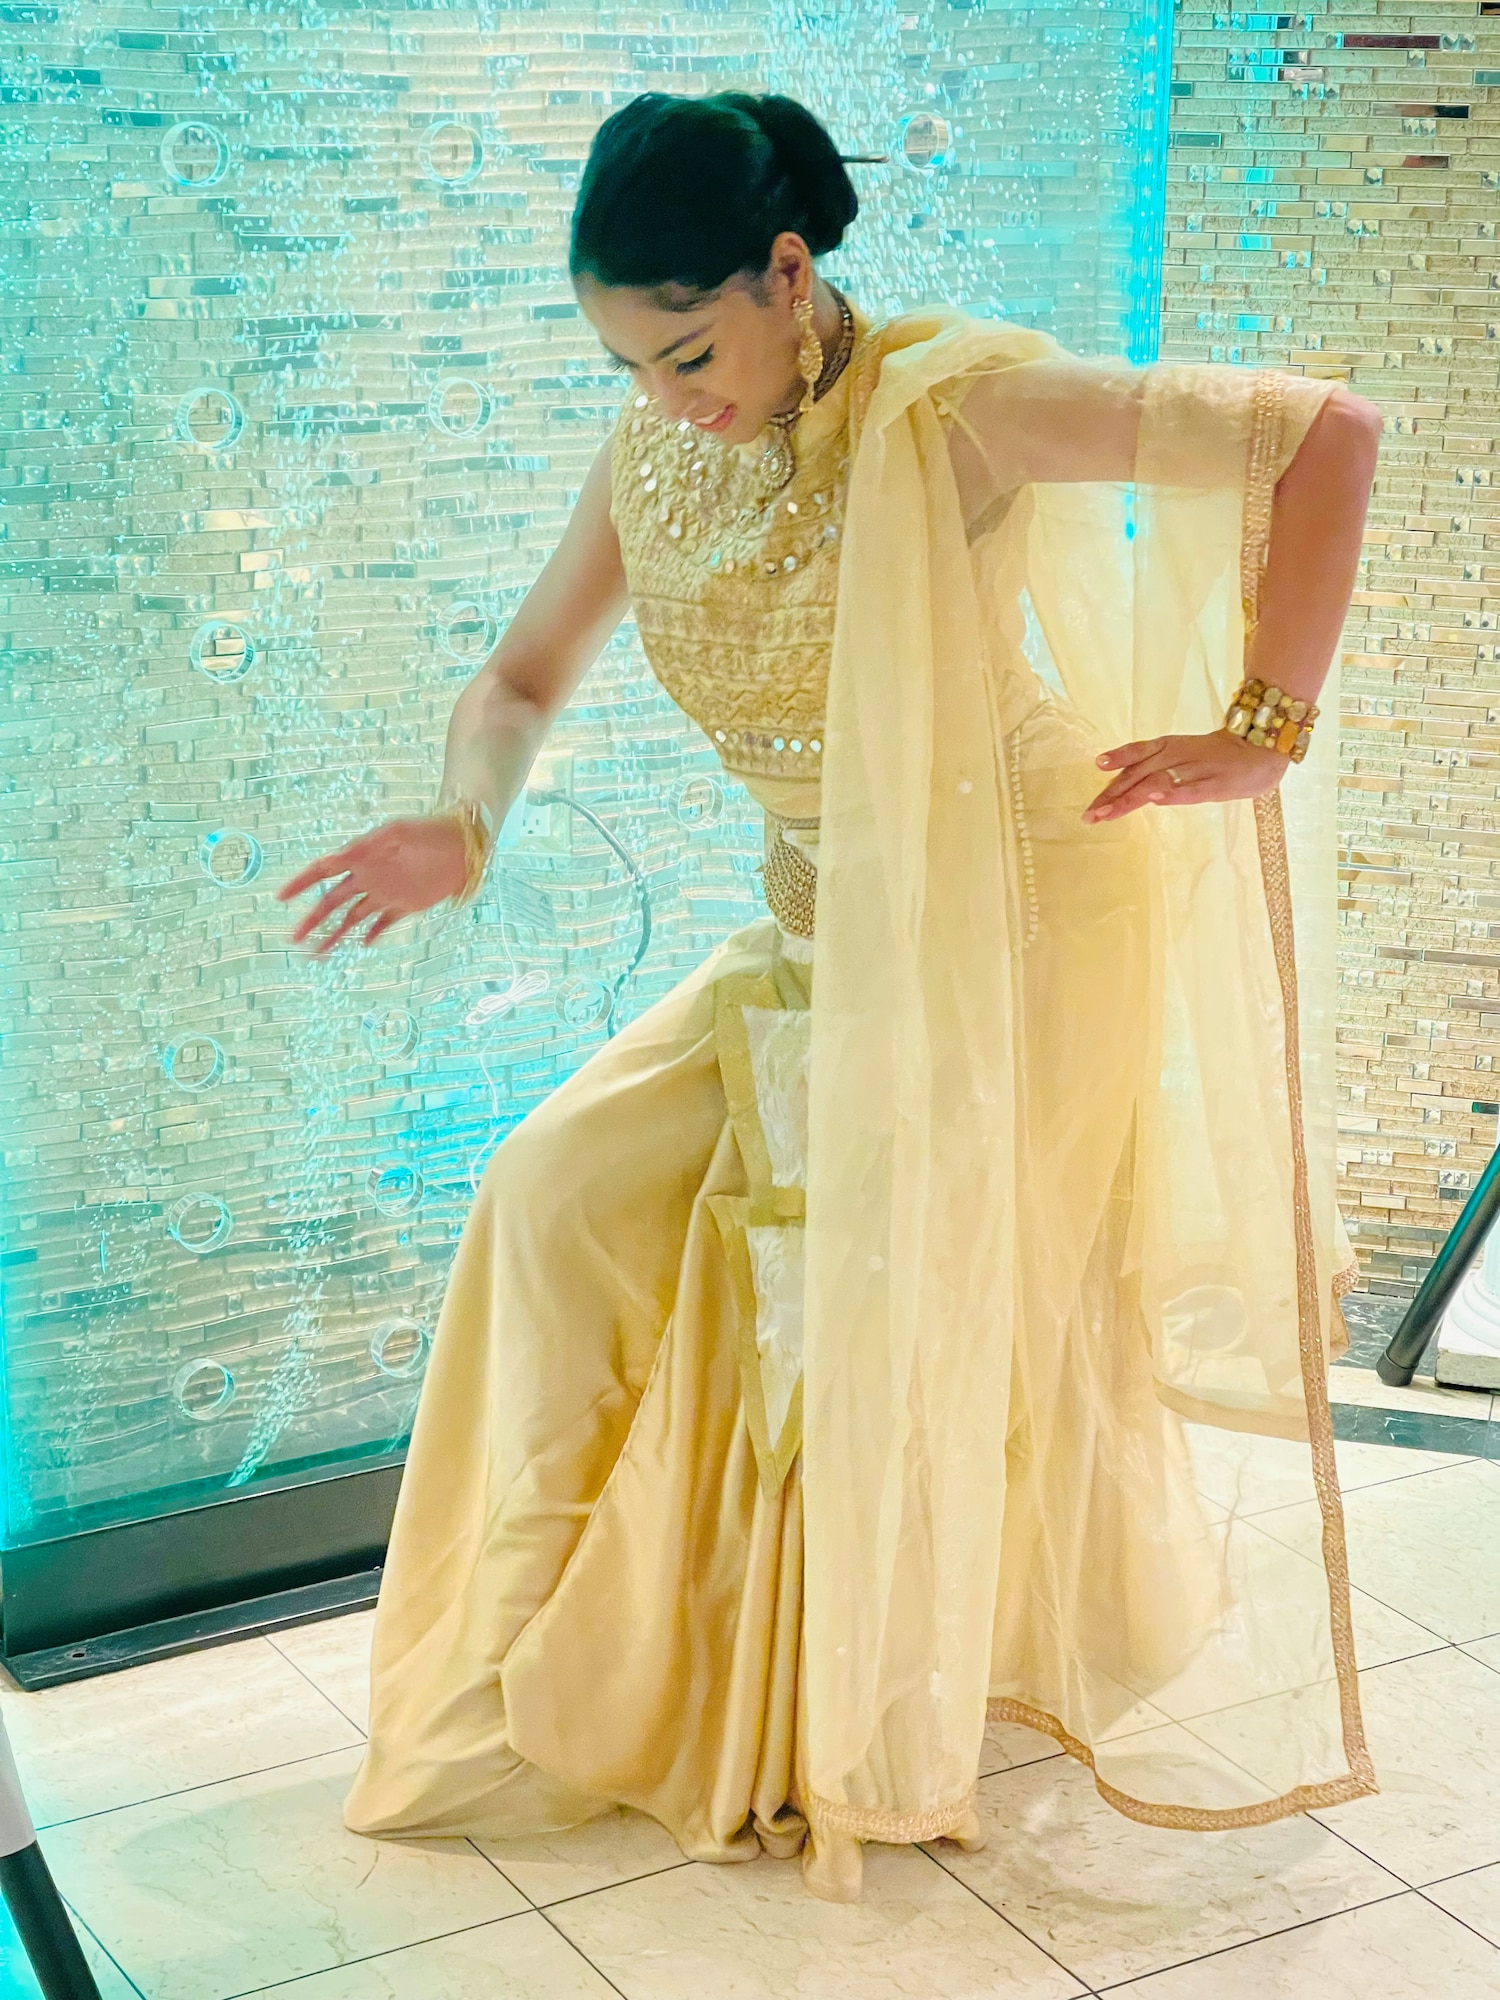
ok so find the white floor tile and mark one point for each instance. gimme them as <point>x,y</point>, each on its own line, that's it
<point>100,1744</point>
<point>1487,1650</point>
<point>1274,1737</point>
<point>1361,1465</point>
<point>1365,1388</point>
<point>522,1958</point>
<point>1292,1594</point>
<point>1114,1900</point>
<point>616,1848</point>
<point>335,1657</point>
<point>1247,1474</point>
<point>1429,1547</point>
<point>18,1980</point>
<point>1007,1744</point>
<point>1382,1635</point>
<point>1474,1898</point>
<point>239,1885</point>
<point>1434,1729</point>
<point>1402,1949</point>
<point>752,1932</point>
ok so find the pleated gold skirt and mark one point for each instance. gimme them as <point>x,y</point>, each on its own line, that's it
<point>594,1590</point>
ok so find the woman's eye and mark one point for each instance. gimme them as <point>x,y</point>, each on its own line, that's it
<point>698,361</point>
<point>620,367</point>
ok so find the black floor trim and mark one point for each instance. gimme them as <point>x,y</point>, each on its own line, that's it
<point>192,1634</point>
<point>245,1562</point>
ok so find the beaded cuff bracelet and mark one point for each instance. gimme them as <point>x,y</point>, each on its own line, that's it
<point>1271,720</point>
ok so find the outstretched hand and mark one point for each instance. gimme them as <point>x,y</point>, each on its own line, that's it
<point>399,868</point>
<point>1184,771</point>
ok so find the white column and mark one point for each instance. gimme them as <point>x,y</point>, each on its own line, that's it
<point>1468,1350</point>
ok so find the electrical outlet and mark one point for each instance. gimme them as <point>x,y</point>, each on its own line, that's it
<point>536,823</point>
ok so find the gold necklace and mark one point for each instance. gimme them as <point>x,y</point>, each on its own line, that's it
<point>720,509</point>
<point>779,459</point>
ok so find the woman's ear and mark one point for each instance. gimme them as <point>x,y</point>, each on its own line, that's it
<point>791,268</point>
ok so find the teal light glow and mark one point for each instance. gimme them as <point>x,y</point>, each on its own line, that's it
<point>296,401</point>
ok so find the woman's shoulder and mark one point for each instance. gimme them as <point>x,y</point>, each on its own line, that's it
<point>915,353</point>
<point>942,329</point>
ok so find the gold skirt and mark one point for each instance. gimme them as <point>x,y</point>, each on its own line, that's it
<point>593,1594</point>
<point>593,1590</point>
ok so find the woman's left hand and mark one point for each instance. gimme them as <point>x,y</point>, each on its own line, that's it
<point>1184,771</point>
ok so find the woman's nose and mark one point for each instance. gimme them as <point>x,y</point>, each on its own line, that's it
<point>675,399</point>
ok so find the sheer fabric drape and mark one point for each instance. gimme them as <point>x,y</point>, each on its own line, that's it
<point>1070,1170</point>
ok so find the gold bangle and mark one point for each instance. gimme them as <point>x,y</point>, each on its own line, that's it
<point>477,825</point>
<point>1271,720</point>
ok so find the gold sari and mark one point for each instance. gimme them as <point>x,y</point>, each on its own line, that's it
<point>811,1378</point>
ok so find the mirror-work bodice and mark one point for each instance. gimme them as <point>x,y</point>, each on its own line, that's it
<point>733,587</point>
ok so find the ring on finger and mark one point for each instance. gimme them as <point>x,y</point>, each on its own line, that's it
<point>1174,777</point>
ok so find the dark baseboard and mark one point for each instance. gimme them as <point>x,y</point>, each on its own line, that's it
<point>53,1665</point>
<point>244,1563</point>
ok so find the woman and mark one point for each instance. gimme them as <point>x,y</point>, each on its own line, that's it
<point>812,1371</point>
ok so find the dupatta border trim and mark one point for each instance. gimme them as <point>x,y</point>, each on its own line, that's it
<point>1184,1819</point>
<point>1270,830</point>
<point>881,1824</point>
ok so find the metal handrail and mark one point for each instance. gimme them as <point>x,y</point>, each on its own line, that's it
<point>1464,1241</point>
<point>38,1912</point>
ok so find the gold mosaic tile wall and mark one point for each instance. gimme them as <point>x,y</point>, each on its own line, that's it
<point>1333,199</point>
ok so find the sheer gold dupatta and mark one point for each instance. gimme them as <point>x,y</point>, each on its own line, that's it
<point>954,1503</point>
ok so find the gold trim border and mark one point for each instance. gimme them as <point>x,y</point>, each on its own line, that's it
<point>882,1823</point>
<point>1267,406</point>
<point>765,1204</point>
<point>774,1458</point>
<point>1186,1819</point>
<point>1270,829</point>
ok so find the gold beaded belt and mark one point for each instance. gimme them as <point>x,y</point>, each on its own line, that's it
<point>789,879</point>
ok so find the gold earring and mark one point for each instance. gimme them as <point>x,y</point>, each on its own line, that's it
<point>809,354</point>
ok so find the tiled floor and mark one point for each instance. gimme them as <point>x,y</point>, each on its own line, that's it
<point>1426,1413</point>
<point>192,1820</point>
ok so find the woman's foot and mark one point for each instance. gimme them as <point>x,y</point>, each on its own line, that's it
<point>969,1834</point>
<point>833,1865</point>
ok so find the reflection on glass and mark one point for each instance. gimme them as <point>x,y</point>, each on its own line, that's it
<point>305,405</point>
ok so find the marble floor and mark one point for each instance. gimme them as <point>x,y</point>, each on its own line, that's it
<point>191,1817</point>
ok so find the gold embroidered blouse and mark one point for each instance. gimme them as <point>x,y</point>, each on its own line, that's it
<point>735,602</point>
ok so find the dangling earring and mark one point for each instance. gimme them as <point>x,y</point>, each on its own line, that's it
<point>809,354</point>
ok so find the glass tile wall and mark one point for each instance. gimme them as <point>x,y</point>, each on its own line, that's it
<point>294,400</point>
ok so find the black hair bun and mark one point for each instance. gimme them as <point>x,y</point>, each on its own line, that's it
<point>688,191</point>
<point>810,161</point>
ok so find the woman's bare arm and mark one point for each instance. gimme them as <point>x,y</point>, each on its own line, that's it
<point>497,727</point>
<point>1317,526</point>
<point>564,623</point>
<point>1058,420</point>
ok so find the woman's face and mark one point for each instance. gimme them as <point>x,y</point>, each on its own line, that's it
<point>729,365</point>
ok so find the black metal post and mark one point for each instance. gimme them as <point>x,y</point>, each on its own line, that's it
<point>1409,1342</point>
<point>44,1927</point>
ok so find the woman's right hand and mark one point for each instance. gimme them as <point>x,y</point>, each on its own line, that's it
<point>392,872</point>
<point>498,725</point>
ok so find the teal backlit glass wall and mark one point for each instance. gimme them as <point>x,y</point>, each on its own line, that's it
<point>294,402</point>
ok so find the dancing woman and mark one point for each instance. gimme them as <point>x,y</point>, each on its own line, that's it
<point>837,1360</point>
